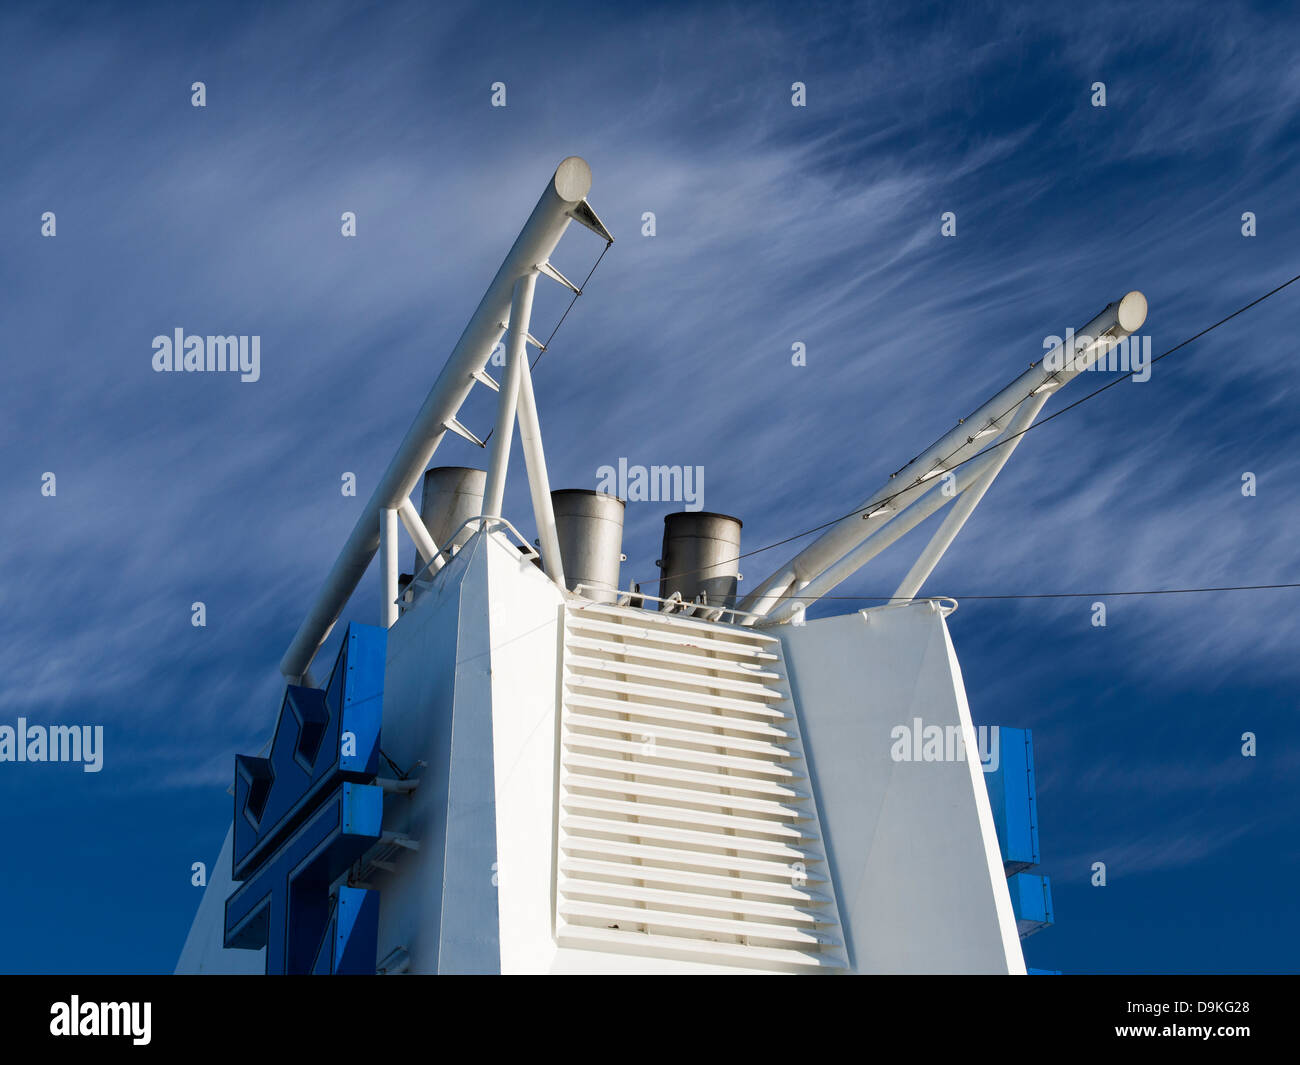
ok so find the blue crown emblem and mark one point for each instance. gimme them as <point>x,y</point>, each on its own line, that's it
<point>305,813</point>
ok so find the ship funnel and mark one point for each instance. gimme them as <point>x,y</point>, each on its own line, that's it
<point>450,497</point>
<point>589,525</point>
<point>700,554</point>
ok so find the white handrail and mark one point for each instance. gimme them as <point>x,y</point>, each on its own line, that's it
<point>688,609</point>
<point>483,521</point>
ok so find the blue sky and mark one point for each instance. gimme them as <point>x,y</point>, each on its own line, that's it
<point>775,224</point>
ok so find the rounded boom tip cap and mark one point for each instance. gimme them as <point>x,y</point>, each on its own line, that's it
<point>1132,311</point>
<point>572,179</point>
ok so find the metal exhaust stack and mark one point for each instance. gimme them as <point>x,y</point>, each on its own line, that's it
<point>450,496</point>
<point>700,555</point>
<point>590,529</point>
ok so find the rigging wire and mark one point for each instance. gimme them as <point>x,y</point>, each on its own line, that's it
<point>547,343</point>
<point>1055,595</point>
<point>1000,443</point>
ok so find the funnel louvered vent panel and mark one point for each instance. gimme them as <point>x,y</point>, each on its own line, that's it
<point>687,825</point>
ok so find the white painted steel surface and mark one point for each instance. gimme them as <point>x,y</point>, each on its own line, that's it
<point>521,310</point>
<point>536,241</point>
<point>911,845</point>
<point>387,567</point>
<point>596,788</point>
<point>687,827</point>
<point>604,789</point>
<point>1119,320</point>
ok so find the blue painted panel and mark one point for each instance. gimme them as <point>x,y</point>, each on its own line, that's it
<point>305,813</point>
<point>1031,899</point>
<point>284,905</point>
<point>1013,796</point>
<point>321,738</point>
<point>353,939</point>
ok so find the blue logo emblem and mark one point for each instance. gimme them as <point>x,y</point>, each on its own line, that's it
<point>305,814</point>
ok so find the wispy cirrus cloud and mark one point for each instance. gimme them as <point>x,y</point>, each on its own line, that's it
<point>774,225</point>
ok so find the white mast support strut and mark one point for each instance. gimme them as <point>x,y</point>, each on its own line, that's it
<point>898,526</point>
<point>521,309</point>
<point>419,533</point>
<point>1118,321</point>
<point>388,566</point>
<point>562,201</point>
<point>965,506</point>
<point>968,485</point>
<point>539,482</point>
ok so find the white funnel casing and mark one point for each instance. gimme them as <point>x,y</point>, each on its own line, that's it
<point>570,785</point>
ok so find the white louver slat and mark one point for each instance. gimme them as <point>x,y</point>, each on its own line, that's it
<point>687,827</point>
